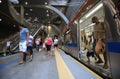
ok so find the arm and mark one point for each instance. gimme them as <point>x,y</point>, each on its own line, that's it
<point>27,37</point>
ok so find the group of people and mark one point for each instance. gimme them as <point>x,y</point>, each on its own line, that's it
<point>48,43</point>
<point>26,44</point>
<point>98,45</point>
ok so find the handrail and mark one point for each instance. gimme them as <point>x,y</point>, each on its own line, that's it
<point>83,8</point>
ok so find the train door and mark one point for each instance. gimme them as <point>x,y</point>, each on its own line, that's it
<point>112,20</point>
<point>88,40</point>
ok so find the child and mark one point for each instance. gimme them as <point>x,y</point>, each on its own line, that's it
<point>89,48</point>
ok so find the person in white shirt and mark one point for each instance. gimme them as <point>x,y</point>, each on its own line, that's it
<point>30,47</point>
<point>55,41</point>
<point>8,44</point>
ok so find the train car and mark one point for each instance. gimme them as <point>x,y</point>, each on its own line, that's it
<point>108,13</point>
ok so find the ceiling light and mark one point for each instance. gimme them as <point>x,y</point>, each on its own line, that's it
<point>47,11</point>
<point>17,13</point>
<point>31,9</point>
<point>49,27</point>
<point>14,25</point>
<point>0,1</point>
<point>26,3</point>
<point>94,10</point>
<point>0,19</point>
<point>47,14</point>
<point>46,3</point>
<point>26,13</point>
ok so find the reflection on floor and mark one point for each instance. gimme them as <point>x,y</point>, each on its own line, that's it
<point>42,67</point>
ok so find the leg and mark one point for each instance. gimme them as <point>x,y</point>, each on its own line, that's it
<point>21,56</point>
<point>99,59</point>
<point>105,66</point>
<point>88,56</point>
<point>105,60</point>
<point>31,53</point>
<point>25,55</point>
<point>88,59</point>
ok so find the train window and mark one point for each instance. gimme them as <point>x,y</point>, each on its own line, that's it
<point>88,40</point>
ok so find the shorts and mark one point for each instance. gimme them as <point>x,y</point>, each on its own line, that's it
<point>48,47</point>
<point>22,46</point>
<point>90,54</point>
<point>55,45</point>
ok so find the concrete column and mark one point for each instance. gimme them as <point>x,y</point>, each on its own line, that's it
<point>78,36</point>
<point>22,14</point>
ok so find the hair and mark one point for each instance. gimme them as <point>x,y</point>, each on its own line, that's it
<point>94,17</point>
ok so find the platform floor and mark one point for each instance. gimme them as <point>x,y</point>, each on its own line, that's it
<point>57,66</point>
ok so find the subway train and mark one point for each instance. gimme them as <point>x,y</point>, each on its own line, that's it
<point>107,11</point>
<point>80,31</point>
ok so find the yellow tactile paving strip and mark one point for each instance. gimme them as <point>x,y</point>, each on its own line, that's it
<point>63,71</point>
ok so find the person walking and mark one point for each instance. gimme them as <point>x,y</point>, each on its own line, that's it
<point>24,35</point>
<point>55,42</point>
<point>48,42</point>
<point>30,47</point>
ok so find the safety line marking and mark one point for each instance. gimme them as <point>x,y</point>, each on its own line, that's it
<point>9,63</point>
<point>99,77</point>
<point>63,70</point>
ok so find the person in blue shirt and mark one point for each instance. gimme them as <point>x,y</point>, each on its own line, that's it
<point>24,36</point>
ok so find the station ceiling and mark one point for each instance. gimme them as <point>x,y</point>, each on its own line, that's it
<point>9,26</point>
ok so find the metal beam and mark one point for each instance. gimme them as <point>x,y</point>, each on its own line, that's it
<point>48,7</point>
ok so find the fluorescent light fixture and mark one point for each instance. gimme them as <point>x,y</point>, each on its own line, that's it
<point>94,10</point>
<point>92,24</point>
<point>81,21</point>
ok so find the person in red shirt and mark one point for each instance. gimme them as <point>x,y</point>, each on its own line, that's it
<point>49,43</point>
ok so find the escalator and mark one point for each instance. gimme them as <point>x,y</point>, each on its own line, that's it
<point>9,12</point>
